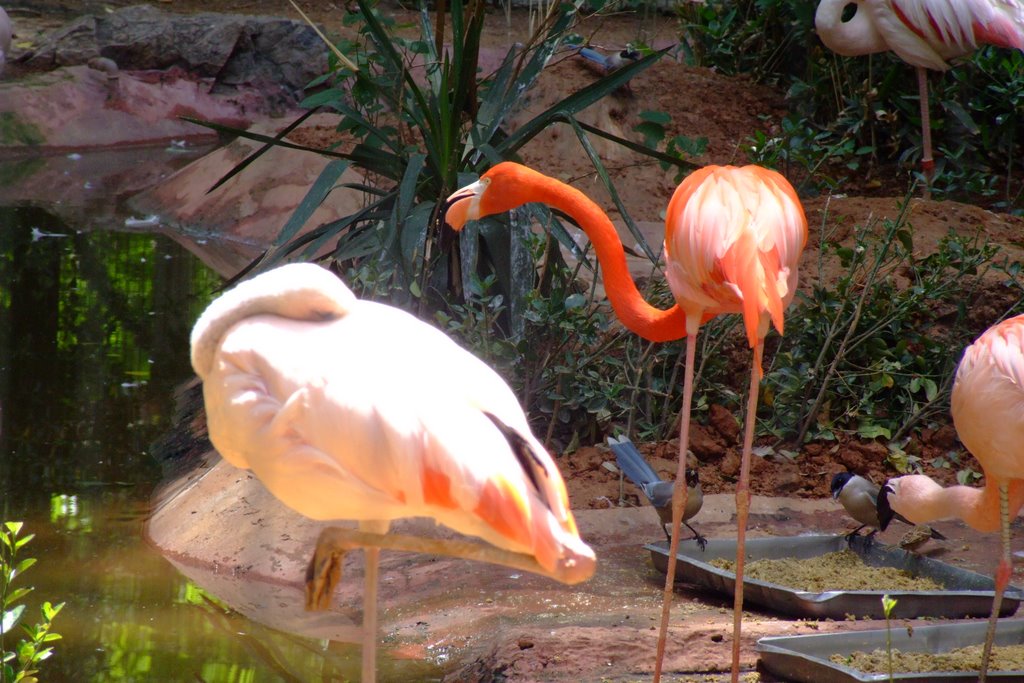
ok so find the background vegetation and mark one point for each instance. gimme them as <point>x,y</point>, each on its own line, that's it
<point>871,354</point>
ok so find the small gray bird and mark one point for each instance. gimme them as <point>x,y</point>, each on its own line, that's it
<point>860,498</point>
<point>612,62</point>
<point>657,490</point>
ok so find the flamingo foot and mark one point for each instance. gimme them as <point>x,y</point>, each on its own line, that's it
<point>324,569</point>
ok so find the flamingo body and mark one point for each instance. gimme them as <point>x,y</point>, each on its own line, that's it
<point>923,33</point>
<point>733,238</point>
<point>988,399</point>
<point>349,409</point>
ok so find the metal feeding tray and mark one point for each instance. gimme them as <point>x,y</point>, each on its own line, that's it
<point>966,594</point>
<point>806,658</point>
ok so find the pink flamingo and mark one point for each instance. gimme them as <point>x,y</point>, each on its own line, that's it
<point>733,238</point>
<point>988,411</point>
<point>349,409</point>
<point>924,33</point>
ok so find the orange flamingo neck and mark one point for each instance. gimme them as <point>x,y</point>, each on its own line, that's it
<point>526,185</point>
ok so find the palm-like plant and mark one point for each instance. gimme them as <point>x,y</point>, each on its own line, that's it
<point>420,125</point>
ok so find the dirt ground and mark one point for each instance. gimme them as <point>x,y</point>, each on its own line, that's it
<point>727,111</point>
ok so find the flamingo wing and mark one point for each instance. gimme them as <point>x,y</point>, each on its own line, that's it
<point>374,414</point>
<point>928,33</point>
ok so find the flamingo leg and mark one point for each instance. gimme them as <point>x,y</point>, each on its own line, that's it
<point>927,162</point>
<point>743,506</point>
<point>370,615</point>
<point>1002,579</point>
<point>324,570</point>
<point>679,495</point>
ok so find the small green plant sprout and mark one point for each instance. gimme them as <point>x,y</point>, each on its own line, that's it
<point>20,662</point>
<point>887,606</point>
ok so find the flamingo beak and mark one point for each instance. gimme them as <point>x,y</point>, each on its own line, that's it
<point>885,511</point>
<point>464,204</point>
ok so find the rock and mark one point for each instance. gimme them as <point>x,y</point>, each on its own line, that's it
<point>852,460</point>
<point>862,456</point>
<point>232,49</point>
<point>730,465</point>
<point>724,422</point>
<point>246,213</point>
<point>787,479</point>
<point>704,444</point>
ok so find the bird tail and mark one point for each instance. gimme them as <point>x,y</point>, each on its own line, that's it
<point>631,462</point>
<point>299,291</point>
<point>594,56</point>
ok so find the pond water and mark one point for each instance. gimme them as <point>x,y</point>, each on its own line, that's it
<point>94,328</point>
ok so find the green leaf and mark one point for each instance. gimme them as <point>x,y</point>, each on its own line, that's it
<point>23,566</point>
<point>10,618</point>
<point>906,238</point>
<point>931,390</point>
<point>51,610</point>
<point>659,117</point>
<point>17,594</point>
<point>869,430</point>
<point>955,108</point>
<point>314,197</point>
<point>575,301</point>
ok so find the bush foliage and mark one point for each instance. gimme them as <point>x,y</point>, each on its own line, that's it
<point>865,354</point>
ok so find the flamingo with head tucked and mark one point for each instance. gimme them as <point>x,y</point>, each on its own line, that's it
<point>926,34</point>
<point>988,412</point>
<point>733,237</point>
<point>349,409</point>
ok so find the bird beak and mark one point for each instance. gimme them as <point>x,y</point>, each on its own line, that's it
<point>464,205</point>
<point>885,512</point>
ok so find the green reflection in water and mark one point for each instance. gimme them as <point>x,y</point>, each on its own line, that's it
<point>94,333</point>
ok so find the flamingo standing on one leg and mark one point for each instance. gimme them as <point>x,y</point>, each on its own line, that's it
<point>733,237</point>
<point>923,33</point>
<point>988,411</point>
<point>347,409</point>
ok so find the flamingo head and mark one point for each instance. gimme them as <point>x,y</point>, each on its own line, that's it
<point>906,496</point>
<point>501,189</point>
